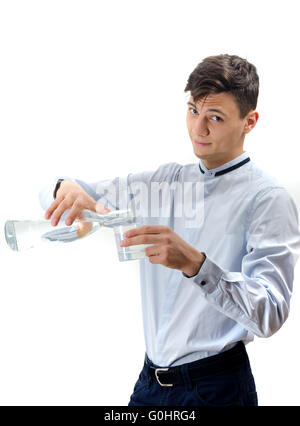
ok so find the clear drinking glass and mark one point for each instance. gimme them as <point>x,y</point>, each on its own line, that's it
<point>129,252</point>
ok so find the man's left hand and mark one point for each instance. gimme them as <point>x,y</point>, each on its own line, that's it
<point>168,248</point>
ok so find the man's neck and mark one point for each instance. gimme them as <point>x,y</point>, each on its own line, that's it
<point>214,163</point>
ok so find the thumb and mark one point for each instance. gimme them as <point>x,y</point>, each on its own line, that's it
<point>83,228</point>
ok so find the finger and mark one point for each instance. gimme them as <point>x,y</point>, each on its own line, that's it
<point>142,239</point>
<point>52,207</point>
<point>147,229</point>
<point>63,206</point>
<point>100,208</point>
<point>155,259</point>
<point>75,212</point>
<point>152,250</point>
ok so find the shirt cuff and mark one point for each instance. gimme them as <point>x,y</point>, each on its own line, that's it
<point>208,276</point>
<point>57,187</point>
<point>191,276</point>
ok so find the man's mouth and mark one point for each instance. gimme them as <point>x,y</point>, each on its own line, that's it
<point>202,143</point>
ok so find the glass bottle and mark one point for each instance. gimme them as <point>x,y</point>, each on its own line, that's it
<point>24,234</point>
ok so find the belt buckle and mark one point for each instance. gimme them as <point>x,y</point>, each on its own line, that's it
<point>157,370</point>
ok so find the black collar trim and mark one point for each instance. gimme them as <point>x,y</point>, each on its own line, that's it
<point>229,169</point>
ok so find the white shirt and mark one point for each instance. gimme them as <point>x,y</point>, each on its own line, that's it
<point>249,233</point>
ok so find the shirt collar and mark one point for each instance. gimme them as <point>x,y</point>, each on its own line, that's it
<point>225,168</point>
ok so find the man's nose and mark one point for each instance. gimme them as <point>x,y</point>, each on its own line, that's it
<point>201,128</point>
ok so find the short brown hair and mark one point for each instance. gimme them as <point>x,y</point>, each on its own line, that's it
<point>226,73</point>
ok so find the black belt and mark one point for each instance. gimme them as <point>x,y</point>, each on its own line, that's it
<point>231,359</point>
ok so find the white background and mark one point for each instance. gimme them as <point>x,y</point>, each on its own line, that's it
<point>93,90</point>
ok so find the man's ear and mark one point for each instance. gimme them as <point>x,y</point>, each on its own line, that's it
<point>251,120</point>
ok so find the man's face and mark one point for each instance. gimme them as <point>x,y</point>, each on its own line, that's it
<point>215,121</point>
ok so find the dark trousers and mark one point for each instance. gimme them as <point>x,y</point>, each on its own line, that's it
<point>224,379</point>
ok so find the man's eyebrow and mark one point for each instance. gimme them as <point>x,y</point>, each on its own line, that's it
<point>210,110</point>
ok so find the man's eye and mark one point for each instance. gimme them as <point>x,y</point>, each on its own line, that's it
<point>216,118</point>
<point>192,111</point>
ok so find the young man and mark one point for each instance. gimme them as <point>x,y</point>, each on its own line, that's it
<point>209,285</point>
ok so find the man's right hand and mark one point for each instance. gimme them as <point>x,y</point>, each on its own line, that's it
<point>72,196</point>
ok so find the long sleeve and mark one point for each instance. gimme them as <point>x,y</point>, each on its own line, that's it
<point>118,192</point>
<point>258,297</point>
<point>103,191</point>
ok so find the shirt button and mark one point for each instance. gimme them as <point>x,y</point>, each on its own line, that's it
<point>203,282</point>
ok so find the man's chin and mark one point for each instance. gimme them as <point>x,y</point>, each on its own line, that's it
<point>201,156</point>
